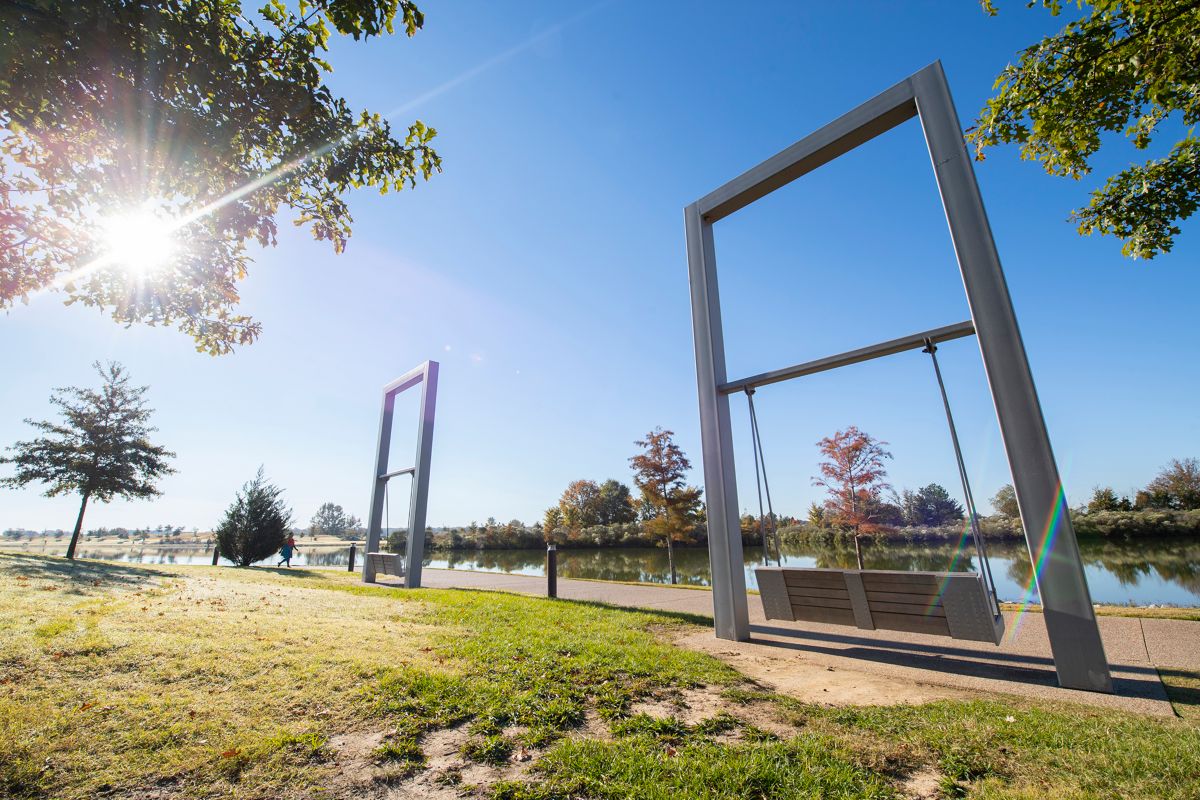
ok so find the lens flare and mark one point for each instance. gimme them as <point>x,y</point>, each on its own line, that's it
<point>140,241</point>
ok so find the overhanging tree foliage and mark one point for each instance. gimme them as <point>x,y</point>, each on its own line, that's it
<point>257,523</point>
<point>1125,66</point>
<point>215,116</point>
<point>100,450</point>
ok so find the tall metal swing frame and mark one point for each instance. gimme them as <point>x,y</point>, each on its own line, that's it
<point>425,376</point>
<point>1074,635</point>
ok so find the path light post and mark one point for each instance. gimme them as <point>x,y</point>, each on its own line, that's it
<point>551,570</point>
<point>350,568</point>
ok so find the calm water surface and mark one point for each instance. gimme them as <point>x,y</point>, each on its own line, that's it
<point>1143,572</point>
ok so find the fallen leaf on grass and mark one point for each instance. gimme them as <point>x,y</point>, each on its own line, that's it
<point>230,753</point>
<point>85,706</point>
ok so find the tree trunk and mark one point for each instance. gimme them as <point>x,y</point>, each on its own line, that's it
<point>78,528</point>
<point>858,550</point>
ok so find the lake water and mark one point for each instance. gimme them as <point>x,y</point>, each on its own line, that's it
<point>1141,572</point>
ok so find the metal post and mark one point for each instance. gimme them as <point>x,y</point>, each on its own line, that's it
<point>1058,570</point>
<point>731,616</point>
<point>350,568</point>
<point>415,552</point>
<point>216,554</point>
<point>551,570</point>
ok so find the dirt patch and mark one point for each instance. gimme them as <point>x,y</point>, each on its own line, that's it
<point>788,673</point>
<point>923,785</point>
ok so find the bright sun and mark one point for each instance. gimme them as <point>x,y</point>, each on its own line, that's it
<point>139,241</point>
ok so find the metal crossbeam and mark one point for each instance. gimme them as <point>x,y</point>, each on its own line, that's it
<point>408,471</point>
<point>910,342</point>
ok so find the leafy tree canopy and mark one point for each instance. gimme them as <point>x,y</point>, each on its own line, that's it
<point>1124,66</point>
<point>930,506</point>
<point>1177,486</point>
<point>100,450</point>
<point>1005,502</point>
<point>853,471</point>
<point>332,520</point>
<point>193,116</point>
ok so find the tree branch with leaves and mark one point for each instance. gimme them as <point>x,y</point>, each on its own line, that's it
<point>1123,67</point>
<point>215,119</point>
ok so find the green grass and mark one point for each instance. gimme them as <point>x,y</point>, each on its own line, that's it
<point>203,682</point>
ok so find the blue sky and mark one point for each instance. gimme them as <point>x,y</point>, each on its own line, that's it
<point>545,269</point>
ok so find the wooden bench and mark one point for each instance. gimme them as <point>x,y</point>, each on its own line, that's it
<point>954,604</point>
<point>385,564</point>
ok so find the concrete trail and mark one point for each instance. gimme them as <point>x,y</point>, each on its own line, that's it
<point>878,663</point>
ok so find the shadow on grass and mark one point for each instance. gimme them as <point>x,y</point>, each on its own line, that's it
<point>79,573</point>
<point>1183,690</point>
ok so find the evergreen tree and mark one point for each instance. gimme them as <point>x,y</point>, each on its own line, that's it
<point>257,523</point>
<point>100,450</point>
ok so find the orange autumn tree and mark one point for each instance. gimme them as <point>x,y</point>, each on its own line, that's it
<point>853,472</point>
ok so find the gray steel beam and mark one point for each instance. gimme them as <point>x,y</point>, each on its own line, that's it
<point>426,375</point>
<point>415,553</point>
<point>398,472</point>
<point>731,615</point>
<point>878,115</point>
<point>1058,569</point>
<point>913,341</point>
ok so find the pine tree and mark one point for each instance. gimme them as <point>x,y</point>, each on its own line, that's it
<point>101,450</point>
<point>257,523</point>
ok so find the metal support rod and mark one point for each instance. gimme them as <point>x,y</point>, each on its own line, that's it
<point>913,341</point>
<point>551,570</point>
<point>985,566</point>
<point>395,473</point>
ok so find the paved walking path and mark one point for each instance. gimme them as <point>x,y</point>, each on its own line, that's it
<point>1021,665</point>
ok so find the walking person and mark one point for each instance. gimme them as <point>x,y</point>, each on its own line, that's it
<point>285,552</point>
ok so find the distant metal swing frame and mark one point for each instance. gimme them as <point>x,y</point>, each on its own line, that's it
<point>426,376</point>
<point>1075,643</point>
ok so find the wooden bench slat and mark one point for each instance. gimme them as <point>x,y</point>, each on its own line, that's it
<point>903,597</point>
<point>831,616</point>
<point>915,580</point>
<point>823,602</point>
<point>911,624</point>
<point>918,609</point>
<point>828,580</point>
<point>817,591</point>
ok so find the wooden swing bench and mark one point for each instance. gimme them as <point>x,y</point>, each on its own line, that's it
<point>954,604</point>
<point>387,564</point>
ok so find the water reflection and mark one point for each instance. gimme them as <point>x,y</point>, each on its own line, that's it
<point>1142,572</point>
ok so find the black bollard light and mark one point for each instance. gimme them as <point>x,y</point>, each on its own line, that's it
<point>216,554</point>
<point>350,568</point>
<point>551,570</point>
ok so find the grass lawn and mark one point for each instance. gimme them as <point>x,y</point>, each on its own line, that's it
<point>157,683</point>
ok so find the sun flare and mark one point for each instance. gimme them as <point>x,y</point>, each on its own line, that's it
<point>140,241</point>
